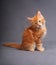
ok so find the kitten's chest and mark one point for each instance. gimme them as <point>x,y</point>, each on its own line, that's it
<point>40,33</point>
<point>44,34</point>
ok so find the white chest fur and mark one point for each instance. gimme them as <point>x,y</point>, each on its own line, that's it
<point>44,34</point>
<point>44,31</point>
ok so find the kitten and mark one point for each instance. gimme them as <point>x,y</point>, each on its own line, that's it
<point>32,35</point>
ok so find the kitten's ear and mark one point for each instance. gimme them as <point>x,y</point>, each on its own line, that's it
<point>39,14</point>
<point>30,19</point>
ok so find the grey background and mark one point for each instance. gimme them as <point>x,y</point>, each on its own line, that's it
<point>14,13</point>
<point>13,22</point>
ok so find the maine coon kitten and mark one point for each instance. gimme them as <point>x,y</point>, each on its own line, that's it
<point>32,35</point>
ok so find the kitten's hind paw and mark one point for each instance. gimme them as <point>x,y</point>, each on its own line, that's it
<point>31,50</point>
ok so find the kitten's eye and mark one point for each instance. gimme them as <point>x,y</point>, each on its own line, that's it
<point>35,22</point>
<point>39,21</point>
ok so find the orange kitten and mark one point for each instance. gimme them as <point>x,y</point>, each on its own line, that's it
<point>32,35</point>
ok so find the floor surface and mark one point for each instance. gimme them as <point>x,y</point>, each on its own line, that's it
<point>11,56</point>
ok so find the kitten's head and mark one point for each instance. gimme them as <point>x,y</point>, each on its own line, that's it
<point>38,20</point>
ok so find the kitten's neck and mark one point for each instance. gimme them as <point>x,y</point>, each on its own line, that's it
<point>34,28</point>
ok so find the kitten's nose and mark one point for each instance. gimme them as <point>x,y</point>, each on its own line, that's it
<point>39,26</point>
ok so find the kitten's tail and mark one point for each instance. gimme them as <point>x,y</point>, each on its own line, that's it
<point>12,44</point>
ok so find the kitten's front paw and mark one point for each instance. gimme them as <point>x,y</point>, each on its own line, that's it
<point>40,49</point>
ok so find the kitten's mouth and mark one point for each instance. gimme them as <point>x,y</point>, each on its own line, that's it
<point>38,27</point>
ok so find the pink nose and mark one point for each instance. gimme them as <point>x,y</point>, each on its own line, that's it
<point>39,26</point>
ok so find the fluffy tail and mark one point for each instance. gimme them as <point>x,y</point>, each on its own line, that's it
<point>12,44</point>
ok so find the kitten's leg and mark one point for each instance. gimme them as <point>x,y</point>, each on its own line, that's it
<point>29,46</point>
<point>39,45</point>
<point>32,47</point>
